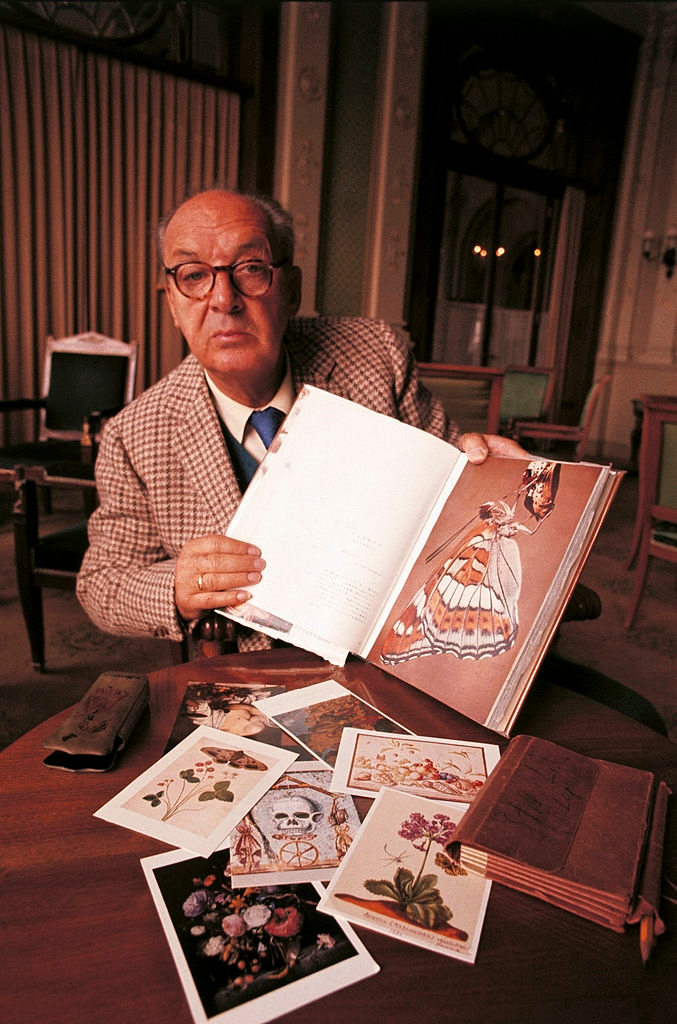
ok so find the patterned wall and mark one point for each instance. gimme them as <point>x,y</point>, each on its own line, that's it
<point>349,180</point>
<point>350,123</point>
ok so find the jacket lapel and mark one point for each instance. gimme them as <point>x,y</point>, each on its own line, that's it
<point>203,453</point>
<point>200,445</point>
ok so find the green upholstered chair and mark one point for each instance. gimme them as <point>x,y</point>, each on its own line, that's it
<point>471,395</point>
<point>656,523</point>
<point>528,431</point>
<point>526,395</point>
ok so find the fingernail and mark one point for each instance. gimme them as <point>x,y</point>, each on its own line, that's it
<point>253,577</point>
<point>259,564</point>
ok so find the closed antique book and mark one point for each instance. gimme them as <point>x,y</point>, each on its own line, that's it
<point>581,833</point>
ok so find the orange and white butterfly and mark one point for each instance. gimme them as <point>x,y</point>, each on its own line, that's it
<point>468,605</point>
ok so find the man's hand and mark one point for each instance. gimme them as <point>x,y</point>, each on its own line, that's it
<point>478,446</point>
<point>213,571</point>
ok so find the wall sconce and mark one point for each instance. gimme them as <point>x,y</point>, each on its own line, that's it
<point>670,253</point>
<point>651,249</point>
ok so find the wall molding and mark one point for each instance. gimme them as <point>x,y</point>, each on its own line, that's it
<point>302,109</point>
<point>394,161</point>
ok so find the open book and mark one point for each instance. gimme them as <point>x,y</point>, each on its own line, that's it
<point>383,541</point>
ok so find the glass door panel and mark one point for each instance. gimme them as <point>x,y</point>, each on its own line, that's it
<point>495,272</point>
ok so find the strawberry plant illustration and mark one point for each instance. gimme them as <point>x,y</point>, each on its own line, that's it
<point>195,783</point>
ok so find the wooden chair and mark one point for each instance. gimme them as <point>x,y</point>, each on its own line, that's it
<point>471,395</point>
<point>526,395</point>
<point>86,378</point>
<point>656,525</point>
<point>43,561</point>
<point>53,560</point>
<point>576,434</point>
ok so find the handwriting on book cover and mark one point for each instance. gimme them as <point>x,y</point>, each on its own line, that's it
<point>538,815</point>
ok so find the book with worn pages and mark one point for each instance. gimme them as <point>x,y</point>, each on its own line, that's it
<point>583,834</point>
<point>383,541</point>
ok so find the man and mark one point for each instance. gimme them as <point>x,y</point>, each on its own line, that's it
<point>172,465</point>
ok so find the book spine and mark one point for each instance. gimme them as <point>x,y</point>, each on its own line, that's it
<point>649,891</point>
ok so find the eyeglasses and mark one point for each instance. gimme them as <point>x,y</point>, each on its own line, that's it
<point>252,278</point>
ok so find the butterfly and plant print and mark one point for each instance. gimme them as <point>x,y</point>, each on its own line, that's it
<point>468,606</point>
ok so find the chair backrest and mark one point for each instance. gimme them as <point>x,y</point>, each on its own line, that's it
<point>471,395</point>
<point>82,374</point>
<point>592,400</point>
<point>667,485</point>
<point>655,534</point>
<point>658,460</point>
<point>527,392</point>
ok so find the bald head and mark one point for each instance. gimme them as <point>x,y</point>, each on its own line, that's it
<point>279,223</point>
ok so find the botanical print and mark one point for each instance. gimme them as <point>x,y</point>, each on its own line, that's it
<point>418,898</point>
<point>317,716</point>
<point>230,708</point>
<point>299,831</point>
<point>200,782</point>
<point>444,769</point>
<point>249,955</point>
<point>398,878</point>
<point>196,794</point>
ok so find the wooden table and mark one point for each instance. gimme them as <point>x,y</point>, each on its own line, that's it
<point>81,940</point>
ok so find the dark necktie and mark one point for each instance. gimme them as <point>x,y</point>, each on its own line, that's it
<point>266,423</point>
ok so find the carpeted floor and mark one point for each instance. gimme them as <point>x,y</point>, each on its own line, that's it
<point>76,651</point>
<point>644,658</point>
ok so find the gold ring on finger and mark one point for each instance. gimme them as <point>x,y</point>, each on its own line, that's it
<point>200,582</point>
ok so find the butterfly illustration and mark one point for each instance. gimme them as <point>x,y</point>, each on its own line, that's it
<point>468,605</point>
<point>451,865</point>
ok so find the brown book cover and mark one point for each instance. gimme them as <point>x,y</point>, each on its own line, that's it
<point>572,830</point>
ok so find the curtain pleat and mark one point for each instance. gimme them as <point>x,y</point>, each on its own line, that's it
<point>93,152</point>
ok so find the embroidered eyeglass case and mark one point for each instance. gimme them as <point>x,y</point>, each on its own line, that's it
<point>99,725</point>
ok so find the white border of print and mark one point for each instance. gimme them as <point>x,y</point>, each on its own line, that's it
<point>273,1004</point>
<point>206,827</point>
<point>307,697</point>
<point>346,778</point>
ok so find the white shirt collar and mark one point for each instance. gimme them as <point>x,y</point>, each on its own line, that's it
<point>235,415</point>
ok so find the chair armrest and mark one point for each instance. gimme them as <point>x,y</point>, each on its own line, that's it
<point>95,419</point>
<point>67,474</point>
<point>508,427</point>
<point>554,431</point>
<point>25,517</point>
<point>18,404</point>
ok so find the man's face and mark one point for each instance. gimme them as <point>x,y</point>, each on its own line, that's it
<point>237,339</point>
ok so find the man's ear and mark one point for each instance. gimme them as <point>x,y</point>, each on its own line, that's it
<point>170,300</point>
<point>294,277</point>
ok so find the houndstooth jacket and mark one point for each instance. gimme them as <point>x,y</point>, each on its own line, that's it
<point>164,475</point>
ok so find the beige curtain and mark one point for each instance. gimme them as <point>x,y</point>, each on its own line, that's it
<point>93,151</point>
